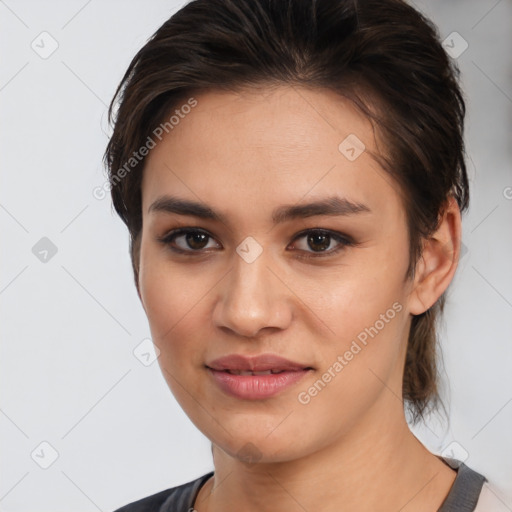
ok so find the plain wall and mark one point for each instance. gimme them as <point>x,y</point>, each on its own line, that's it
<point>70,323</point>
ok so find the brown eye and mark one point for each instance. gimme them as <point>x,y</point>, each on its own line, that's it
<point>320,242</point>
<point>188,240</point>
<point>196,240</point>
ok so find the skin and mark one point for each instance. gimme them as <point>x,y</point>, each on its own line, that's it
<point>244,155</point>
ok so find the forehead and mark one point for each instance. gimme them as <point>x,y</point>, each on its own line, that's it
<point>269,146</point>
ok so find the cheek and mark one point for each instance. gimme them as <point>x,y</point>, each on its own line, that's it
<point>172,300</point>
<point>348,300</point>
<point>368,332</point>
<point>360,363</point>
<point>365,313</point>
<point>168,292</point>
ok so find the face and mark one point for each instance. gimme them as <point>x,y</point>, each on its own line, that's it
<point>257,271</point>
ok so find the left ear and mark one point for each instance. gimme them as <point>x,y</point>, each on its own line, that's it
<point>437,265</point>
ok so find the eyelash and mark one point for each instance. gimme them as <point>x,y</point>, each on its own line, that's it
<point>343,241</point>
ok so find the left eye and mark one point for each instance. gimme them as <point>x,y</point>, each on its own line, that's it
<point>320,242</point>
<point>191,239</point>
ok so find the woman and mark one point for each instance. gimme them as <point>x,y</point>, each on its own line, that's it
<point>292,177</point>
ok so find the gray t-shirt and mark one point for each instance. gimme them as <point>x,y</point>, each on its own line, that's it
<point>463,495</point>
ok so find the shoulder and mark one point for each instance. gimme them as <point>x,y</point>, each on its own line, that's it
<point>489,500</point>
<point>174,499</point>
<point>151,503</point>
<point>466,488</point>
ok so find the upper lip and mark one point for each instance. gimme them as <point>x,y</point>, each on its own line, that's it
<point>258,363</point>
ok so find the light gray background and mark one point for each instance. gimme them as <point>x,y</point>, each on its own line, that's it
<point>69,325</point>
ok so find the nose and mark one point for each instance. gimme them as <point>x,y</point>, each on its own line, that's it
<point>252,298</point>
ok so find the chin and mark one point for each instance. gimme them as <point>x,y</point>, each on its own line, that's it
<point>261,449</point>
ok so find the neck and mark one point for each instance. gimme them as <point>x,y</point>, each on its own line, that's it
<point>378,465</point>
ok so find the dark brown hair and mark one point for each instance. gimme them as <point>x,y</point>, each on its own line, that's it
<point>382,55</point>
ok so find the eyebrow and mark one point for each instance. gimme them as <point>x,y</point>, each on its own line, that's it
<point>333,206</point>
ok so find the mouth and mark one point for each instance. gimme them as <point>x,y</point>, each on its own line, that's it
<point>262,364</point>
<point>255,373</point>
<point>255,378</point>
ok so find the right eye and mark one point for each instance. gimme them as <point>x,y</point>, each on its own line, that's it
<point>187,240</point>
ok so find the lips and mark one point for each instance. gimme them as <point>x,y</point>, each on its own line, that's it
<point>264,364</point>
<point>256,378</point>
<point>249,372</point>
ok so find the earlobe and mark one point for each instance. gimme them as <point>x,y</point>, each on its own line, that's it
<point>438,263</point>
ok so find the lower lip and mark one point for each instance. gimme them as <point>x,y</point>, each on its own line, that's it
<point>256,387</point>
